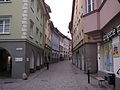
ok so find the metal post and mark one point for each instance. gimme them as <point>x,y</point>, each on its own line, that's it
<point>88,76</point>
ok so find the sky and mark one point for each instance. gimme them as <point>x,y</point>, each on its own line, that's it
<point>61,14</point>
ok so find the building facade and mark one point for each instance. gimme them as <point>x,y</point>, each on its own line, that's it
<point>104,29</point>
<point>66,48</point>
<point>82,44</point>
<point>48,33</point>
<point>61,46</point>
<point>22,29</point>
<point>55,45</point>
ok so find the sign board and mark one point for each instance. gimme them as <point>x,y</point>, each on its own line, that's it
<point>112,33</point>
<point>19,59</point>
<point>19,49</point>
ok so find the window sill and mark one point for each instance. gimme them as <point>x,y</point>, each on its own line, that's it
<point>4,33</point>
<point>89,13</point>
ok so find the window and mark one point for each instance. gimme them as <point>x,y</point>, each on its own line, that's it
<point>4,25</point>
<point>32,3</point>
<point>38,10</point>
<point>5,0</point>
<point>40,38</point>
<point>90,5</point>
<point>37,31</point>
<point>31,27</point>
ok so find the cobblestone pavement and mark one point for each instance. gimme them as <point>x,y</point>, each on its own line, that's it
<point>60,76</point>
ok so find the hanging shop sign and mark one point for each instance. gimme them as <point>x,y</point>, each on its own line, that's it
<point>112,33</point>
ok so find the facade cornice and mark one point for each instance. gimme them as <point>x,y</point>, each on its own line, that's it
<point>21,40</point>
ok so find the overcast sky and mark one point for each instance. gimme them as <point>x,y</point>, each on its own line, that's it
<point>61,14</point>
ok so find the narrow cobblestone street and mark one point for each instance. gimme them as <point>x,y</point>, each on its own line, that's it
<point>60,76</point>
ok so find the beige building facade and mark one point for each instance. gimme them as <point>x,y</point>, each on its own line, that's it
<point>82,44</point>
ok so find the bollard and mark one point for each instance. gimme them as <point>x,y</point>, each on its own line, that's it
<point>88,76</point>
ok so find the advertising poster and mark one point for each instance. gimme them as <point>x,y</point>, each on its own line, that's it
<point>108,57</point>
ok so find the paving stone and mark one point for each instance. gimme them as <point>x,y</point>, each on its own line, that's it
<point>60,76</point>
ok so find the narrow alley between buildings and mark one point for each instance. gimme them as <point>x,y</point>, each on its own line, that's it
<point>60,76</point>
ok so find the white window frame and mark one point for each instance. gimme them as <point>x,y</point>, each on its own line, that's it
<point>91,5</point>
<point>5,1</point>
<point>5,18</point>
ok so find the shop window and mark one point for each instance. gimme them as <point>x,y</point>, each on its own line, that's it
<point>108,57</point>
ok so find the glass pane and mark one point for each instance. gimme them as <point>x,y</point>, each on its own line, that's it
<point>89,1</point>
<point>89,8</point>
<point>7,22</point>
<point>7,26</point>
<point>1,22</point>
<point>6,30</point>
<point>1,28</point>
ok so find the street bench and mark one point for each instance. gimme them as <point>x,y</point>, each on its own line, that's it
<point>100,80</point>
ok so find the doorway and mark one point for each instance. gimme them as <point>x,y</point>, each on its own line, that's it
<point>5,63</point>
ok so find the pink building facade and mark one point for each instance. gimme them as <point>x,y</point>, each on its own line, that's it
<point>102,22</point>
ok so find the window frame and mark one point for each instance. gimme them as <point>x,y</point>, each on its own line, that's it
<point>91,6</point>
<point>3,24</point>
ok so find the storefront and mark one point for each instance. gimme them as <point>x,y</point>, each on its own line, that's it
<point>109,52</point>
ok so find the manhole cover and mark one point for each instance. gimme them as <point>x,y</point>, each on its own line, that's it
<point>8,82</point>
